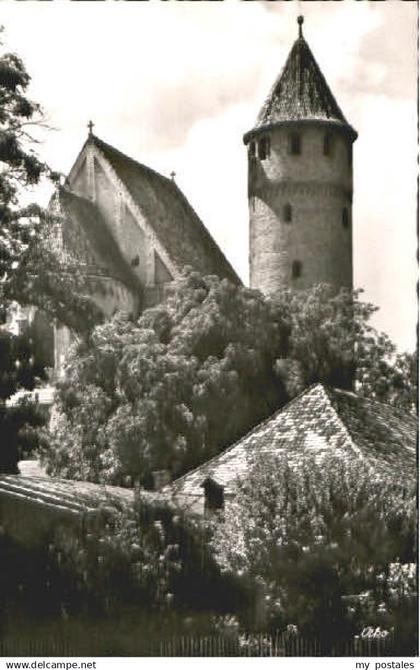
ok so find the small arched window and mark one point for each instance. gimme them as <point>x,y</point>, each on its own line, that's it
<point>287,212</point>
<point>327,144</point>
<point>263,148</point>
<point>295,144</point>
<point>296,269</point>
<point>345,217</point>
<point>252,149</point>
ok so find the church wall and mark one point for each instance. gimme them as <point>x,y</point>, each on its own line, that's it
<point>80,183</point>
<point>316,189</point>
<point>106,198</point>
<point>111,295</point>
<point>131,240</point>
<point>133,244</point>
<point>76,244</point>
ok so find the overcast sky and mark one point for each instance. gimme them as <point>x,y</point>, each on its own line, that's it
<point>176,84</point>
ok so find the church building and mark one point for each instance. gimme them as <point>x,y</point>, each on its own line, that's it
<point>131,230</point>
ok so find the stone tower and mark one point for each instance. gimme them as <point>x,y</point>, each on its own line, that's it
<point>300,182</point>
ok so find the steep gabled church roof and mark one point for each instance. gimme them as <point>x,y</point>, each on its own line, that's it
<point>317,422</point>
<point>175,223</point>
<point>82,214</point>
<point>300,93</point>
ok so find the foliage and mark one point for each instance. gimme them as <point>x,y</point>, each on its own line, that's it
<point>20,366</point>
<point>145,555</point>
<point>312,535</point>
<point>331,341</point>
<point>149,555</point>
<point>170,390</point>
<point>18,432</point>
<point>30,271</point>
<point>20,168</point>
<point>198,371</point>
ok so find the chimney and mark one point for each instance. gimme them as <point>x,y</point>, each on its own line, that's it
<point>160,479</point>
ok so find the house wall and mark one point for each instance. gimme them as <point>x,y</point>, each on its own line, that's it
<point>194,504</point>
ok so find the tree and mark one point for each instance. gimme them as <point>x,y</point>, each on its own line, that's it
<point>29,271</point>
<point>170,390</point>
<point>20,168</point>
<point>315,535</point>
<point>192,375</point>
<point>332,341</point>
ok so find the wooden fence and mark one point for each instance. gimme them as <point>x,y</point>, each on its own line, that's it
<point>262,645</point>
<point>279,644</point>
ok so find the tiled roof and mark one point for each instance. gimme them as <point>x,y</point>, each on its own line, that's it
<point>175,223</point>
<point>83,214</point>
<point>300,93</point>
<point>318,422</point>
<point>71,496</point>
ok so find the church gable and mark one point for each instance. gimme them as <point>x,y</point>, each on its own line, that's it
<point>79,183</point>
<point>132,224</point>
<point>87,241</point>
<point>174,230</point>
<point>127,222</point>
<point>106,195</point>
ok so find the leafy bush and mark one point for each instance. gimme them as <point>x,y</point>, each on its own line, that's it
<point>311,536</point>
<point>149,556</point>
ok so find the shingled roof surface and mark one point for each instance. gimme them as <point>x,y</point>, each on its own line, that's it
<point>301,93</point>
<point>175,223</point>
<point>318,422</point>
<point>84,214</point>
<point>72,496</point>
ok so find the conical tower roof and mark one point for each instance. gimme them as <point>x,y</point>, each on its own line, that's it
<point>300,94</point>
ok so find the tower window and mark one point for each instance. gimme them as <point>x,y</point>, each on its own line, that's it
<point>296,269</point>
<point>263,148</point>
<point>295,143</point>
<point>345,217</point>
<point>213,495</point>
<point>287,213</point>
<point>252,149</point>
<point>327,144</point>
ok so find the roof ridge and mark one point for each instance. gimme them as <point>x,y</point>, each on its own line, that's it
<point>262,423</point>
<point>328,392</point>
<point>373,401</point>
<point>95,139</point>
<point>173,191</point>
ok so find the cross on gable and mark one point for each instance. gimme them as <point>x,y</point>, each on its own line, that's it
<point>90,126</point>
